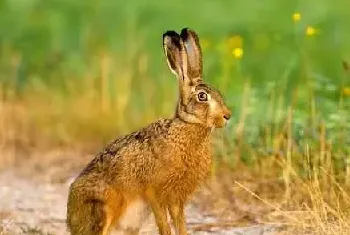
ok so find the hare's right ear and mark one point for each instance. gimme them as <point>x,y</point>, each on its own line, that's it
<point>194,54</point>
<point>175,53</point>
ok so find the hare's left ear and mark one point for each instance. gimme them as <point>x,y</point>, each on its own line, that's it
<point>177,59</point>
<point>175,54</point>
<point>194,54</point>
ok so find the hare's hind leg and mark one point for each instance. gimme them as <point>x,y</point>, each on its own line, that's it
<point>88,218</point>
<point>93,216</point>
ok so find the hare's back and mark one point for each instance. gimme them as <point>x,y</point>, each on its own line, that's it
<point>129,152</point>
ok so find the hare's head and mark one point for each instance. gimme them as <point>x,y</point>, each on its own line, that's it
<point>198,102</point>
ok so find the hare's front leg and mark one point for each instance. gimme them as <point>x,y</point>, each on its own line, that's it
<point>178,217</point>
<point>160,213</point>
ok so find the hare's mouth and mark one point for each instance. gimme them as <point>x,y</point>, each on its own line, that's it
<point>220,122</point>
<point>225,121</point>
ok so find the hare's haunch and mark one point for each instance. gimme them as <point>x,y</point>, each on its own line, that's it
<point>156,169</point>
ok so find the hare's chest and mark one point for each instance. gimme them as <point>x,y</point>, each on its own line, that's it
<point>184,178</point>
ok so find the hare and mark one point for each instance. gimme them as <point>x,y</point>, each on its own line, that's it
<point>157,168</point>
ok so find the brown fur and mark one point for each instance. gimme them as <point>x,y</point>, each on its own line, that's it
<point>161,164</point>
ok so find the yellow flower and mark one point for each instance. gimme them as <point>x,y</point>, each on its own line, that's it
<point>296,17</point>
<point>237,52</point>
<point>346,91</point>
<point>310,31</point>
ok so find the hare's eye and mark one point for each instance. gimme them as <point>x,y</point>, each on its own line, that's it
<point>202,96</point>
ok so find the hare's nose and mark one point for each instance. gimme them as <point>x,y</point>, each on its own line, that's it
<point>227,116</point>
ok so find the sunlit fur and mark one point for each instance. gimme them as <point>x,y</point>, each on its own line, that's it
<point>156,169</point>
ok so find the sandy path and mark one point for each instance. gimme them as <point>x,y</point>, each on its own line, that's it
<point>29,207</point>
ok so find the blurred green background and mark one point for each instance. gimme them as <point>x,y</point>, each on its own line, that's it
<point>91,70</point>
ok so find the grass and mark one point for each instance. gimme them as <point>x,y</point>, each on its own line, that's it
<point>74,75</point>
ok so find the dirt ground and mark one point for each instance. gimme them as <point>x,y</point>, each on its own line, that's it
<point>32,206</point>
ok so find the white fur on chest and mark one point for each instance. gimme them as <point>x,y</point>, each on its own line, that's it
<point>134,217</point>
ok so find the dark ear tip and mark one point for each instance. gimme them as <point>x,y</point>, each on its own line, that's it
<point>171,37</point>
<point>186,32</point>
<point>170,33</point>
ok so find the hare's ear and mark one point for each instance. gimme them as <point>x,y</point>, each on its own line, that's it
<point>194,54</point>
<point>175,53</point>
